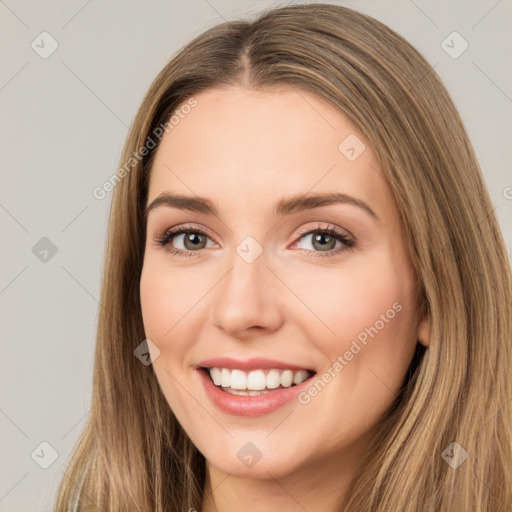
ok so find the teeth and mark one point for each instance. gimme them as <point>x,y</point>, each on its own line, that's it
<point>258,381</point>
<point>287,378</point>
<point>225,377</point>
<point>246,392</point>
<point>273,379</point>
<point>238,379</point>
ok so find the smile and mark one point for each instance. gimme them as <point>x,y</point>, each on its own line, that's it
<point>256,382</point>
<point>252,387</point>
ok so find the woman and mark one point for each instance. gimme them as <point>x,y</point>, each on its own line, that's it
<point>302,245</point>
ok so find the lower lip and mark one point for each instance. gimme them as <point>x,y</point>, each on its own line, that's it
<point>249,405</point>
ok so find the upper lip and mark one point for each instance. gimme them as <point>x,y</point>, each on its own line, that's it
<point>254,363</point>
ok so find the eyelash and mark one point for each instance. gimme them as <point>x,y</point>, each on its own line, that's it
<point>168,235</point>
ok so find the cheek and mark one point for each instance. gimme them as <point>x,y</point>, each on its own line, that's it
<point>154,298</point>
<point>166,299</point>
<point>163,305</point>
<point>349,300</point>
<point>173,303</point>
<point>368,317</point>
<point>372,316</point>
<point>365,306</point>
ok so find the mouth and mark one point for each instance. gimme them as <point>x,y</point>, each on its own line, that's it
<point>255,382</point>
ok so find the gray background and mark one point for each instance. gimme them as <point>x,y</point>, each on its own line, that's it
<point>64,121</point>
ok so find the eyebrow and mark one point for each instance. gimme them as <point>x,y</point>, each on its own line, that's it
<point>283,207</point>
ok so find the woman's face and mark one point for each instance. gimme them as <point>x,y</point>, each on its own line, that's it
<point>266,289</point>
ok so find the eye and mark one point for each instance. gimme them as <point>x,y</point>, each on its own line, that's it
<point>323,241</point>
<point>192,238</point>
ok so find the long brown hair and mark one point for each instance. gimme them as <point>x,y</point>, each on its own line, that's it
<point>134,455</point>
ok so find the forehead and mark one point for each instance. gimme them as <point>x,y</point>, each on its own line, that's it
<point>238,145</point>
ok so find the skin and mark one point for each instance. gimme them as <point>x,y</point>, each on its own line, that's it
<point>246,149</point>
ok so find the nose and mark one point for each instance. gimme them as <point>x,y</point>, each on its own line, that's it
<point>246,302</point>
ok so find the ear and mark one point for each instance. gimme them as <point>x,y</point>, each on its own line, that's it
<point>424,332</point>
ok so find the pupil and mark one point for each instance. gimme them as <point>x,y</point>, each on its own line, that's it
<point>320,237</point>
<point>193,238</point>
